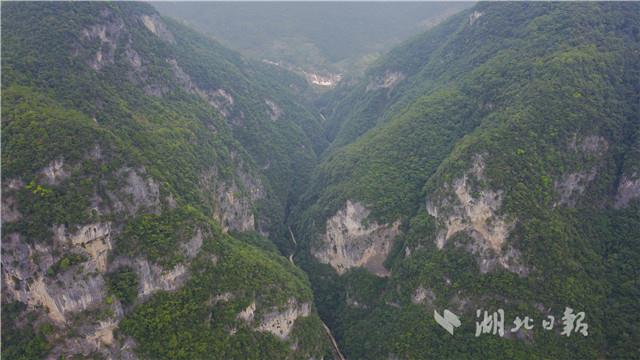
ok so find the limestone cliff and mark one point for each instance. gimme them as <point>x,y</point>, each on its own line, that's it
<point>277,321</point>
<point>234,200</point>
<point>351,240</point>
<point>463,208</point>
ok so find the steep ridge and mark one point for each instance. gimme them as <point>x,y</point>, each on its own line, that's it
<point>144,167</point>
<point>489,163</point>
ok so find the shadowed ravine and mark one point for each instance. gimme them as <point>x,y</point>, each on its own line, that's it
<point>334,344</point>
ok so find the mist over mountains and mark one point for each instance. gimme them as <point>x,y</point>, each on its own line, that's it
<point>326,39</point>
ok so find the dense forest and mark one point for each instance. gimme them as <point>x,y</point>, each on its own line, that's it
<point>133,151</point>
<point>166,197</point>
<point>505,144</point>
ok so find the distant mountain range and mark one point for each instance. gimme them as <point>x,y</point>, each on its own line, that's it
<point>319,38</point>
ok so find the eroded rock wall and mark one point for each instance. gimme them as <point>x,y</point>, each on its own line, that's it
<point>351,240</point>
<point>277,321</point>
<point>463,208</point>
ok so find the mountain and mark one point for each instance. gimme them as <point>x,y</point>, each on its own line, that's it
<point>489,163</point>
<point>166,197</point>
<point>322,39</point>
<point>147,172</point>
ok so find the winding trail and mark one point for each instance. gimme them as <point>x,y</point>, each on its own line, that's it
<point>336,350</point>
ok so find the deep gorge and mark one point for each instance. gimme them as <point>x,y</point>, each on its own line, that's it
<point>166,197</point>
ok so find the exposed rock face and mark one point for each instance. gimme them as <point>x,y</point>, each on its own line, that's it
<point>9,209</point>
<point>458,210</point>
<point>103,335</point>
<point>108,35</point>
<point>275,112</point>
<point>145,192</point>
<point>81,287</point>
<point>224,297</point>
<point>192,247</point>
<point>572,185</point>
<point>139,74</point>
<point>233,211</point>
<point>388,81</point>
<point>115,40</point>
<point>139,193</point>
<point>154,24</point>
<point>55,172</point>
<point>475,215</point>
<point>94,337</point>
<point>329,80</point>
<point>234,201</point>
<point>95,239</point>
<point>69,290</point>
<point>134,59</point>
<point>15,184</point>
<point>248,313</point>
<point>628,190</point>
<point>25,266</point>
<point>220,99</point>
<point>68,294</point>
<point>64,279</point>
<point>591,144</point>
<point>183,79</point>
<point>278,322</point>
<point>474,17</point>
<point>19,268</point>
<point>423,296</point>
<point>73,296</point>
<point>27,274</point>
<point>349,243</point>
<point>153,278</point>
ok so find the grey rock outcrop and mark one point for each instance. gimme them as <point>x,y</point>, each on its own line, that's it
<point>349,242</point>
<point>233,201</point>
<point>460,208</point>
<point>628,190</point>
<point>279,322</point>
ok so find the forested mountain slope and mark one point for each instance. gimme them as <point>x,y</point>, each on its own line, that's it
<point>152,180</point>
<point>132,147</point>
<point>489,163</point>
